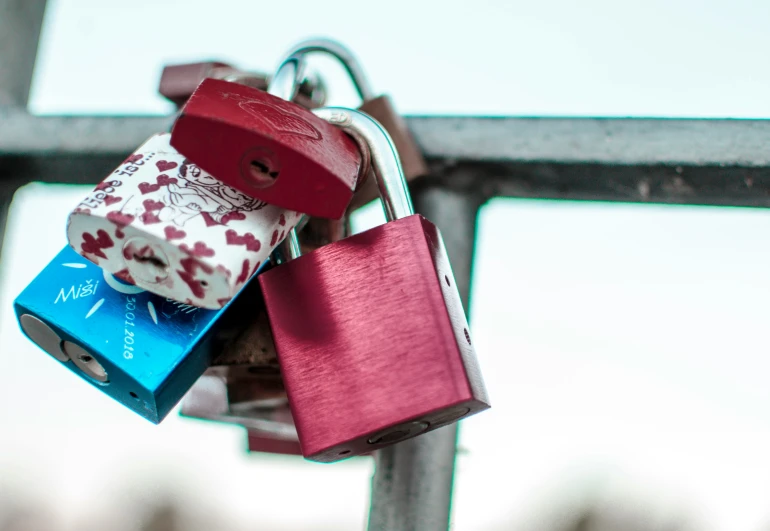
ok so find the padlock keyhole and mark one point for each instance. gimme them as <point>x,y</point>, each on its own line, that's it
<point>262,173</point>
<point>152,260</point>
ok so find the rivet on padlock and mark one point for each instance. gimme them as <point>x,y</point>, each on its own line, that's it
<point>267,147</point>
<point>143,350</point>
<point>371,334</point>
<point>378,107</point>
<point>162,223</point>
<point>178,82</point>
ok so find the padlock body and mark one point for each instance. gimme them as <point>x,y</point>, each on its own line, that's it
<point>265,442</point>
<point>178,81</point>
<point>209,400</point>
<point>409,153</point>
<point>151,349</point>
<point>372,340</point>
<point>268,148</point>
<point>161,223</point>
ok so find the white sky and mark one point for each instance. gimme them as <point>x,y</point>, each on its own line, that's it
<point>624,347</point>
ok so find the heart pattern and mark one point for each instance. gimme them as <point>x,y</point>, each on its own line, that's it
<point>248,239</point>
<point>147,188</point>
<point>199,249</point>
<point>212,243</point>
<point>94,245</point>
<point>172,233</point>
<point>120,219</point>
<point>149,217</point>
<point>164,165</point>
<point>244,276</point>
<point>165,180</point>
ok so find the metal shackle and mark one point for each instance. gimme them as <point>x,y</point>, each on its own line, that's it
<point>288,78</point>
<point>343,55</point>
<point>394,193</point>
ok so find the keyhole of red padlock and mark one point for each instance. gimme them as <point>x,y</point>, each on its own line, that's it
<point>260,167</point>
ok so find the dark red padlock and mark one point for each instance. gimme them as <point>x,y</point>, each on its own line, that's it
<point>265,442</point>
<point>370,332</point>
<point>269,148</point>
<point>179,81</point>
<point>380,107</point>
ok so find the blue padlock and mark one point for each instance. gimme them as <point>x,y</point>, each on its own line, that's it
<point>143,350</point>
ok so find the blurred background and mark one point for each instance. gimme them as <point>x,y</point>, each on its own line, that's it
<point>624,346</point>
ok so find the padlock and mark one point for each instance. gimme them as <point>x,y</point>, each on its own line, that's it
<point>161,223</point>
<point>178,82</point>
<point>260,441</point>
<point>370,332</point>
<point>143,350</point>
<point>208,399</point>
<point>378,107</point>
<point>269,148</point>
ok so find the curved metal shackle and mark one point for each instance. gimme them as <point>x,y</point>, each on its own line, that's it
<point>394,193</point>
<point>343,55</point>
<point>388,173</point>
<point>288,78</point>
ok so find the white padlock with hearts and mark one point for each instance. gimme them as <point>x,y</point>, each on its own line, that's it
<point>161,223</point>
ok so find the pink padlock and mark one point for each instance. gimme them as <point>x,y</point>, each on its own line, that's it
<point>161,223</point>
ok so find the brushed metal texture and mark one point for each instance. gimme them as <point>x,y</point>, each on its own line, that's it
<point>368,332</point>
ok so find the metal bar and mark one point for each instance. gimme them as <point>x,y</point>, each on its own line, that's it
<point>20,23</point>
<point>412,484</point>
<point>699,162</point>
<point>601,141</point>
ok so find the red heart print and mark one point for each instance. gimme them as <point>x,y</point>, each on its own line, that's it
<point>244,276</point>
<point>172,233</point>
<point>164,165</point>
<point>232,238</point>
<point>196,286</point>
<point>233,216</point>
<point>125,276</point>
<point>165,180</point>
<point>111,200</point>
<point>199,249</point>
<point>93,245</point>
<point>282,220</point>
<point>190,265</point>
<point>146,188</point>
<point>224,301</point>
<point>130,252</point>
<point>274,239</point>
<point>119,218</point>
<point>151,204</point>
<point>255,268</point>
<point>149,218</point>
<point>248,239</point>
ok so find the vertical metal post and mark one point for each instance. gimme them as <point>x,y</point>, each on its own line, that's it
<point>20,23</point>
<point>412,484</point>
